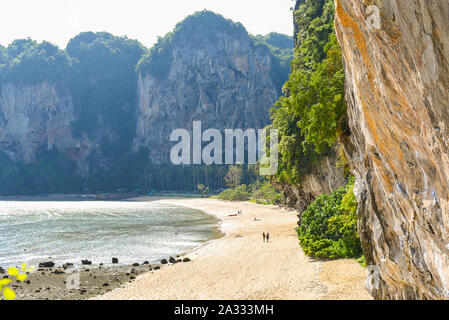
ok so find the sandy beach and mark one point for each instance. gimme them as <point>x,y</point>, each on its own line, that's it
<point>241,266</point>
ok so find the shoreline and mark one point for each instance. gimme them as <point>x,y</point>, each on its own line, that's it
<point>47,283</point>
<point>238,266</point>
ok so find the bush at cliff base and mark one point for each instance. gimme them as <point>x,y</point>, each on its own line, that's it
<point>239,193</point>
<point>329,226</point>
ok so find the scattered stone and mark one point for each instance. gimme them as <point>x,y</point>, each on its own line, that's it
<point>28,282</point>
<point>135,264</point>
<point>186,260</point>
<point>105,284</point>
<point>48,264</point>
<point>86,262</point>
<point>65,266</point>
<point>101,264</point>
<point>2,270</point>
<point>164,261</point>
<point>172,260</point>
<point>146,262</point>
<point>179,260</point>
<point>59,271</point>
<point>132,277</point>
<point>114,260</point>
<point>157,268</point>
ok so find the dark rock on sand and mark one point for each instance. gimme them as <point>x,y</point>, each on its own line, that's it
<point>105,284</point>
<point>67,265</point>
<point>59,271</point>
<point>114,260</point>
<point>157,268</point>
<point>164,261</point>
<point>135,264</point>
<point>48,264</point>
<point>186,260</point>
<point>146,262</point>
<point>86,262</point>
<point>172,260</point>
<point>2,270</point>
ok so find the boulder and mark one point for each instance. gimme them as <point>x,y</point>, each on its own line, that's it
<point>186,260</point>
<point>172,260</point>
<point>48,264</point>
<point>114,260</point>
<point>86,262</point>
<point>164,261</point>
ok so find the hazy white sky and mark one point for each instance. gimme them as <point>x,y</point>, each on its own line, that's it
<point>59,20</point>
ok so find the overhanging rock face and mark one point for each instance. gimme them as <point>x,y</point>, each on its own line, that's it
<point>396,54</point>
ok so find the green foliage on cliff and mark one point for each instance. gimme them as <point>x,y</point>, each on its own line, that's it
<point>281,48</point>
<point>104,87</point>
<point>27,62</point>
<point>277,40</point>
<point>197,30</point>
<point>328,227</point>
<point>309,113</point>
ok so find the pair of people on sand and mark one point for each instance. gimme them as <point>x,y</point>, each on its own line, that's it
<point>266,237</point>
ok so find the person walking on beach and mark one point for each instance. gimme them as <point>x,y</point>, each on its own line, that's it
<point>263,237</point>
<point>268,237</point>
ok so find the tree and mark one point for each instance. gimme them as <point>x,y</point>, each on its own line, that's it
<point>233,176</point>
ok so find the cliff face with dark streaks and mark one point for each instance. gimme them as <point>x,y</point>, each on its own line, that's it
<point>397,86</point>
<point>212,72</point>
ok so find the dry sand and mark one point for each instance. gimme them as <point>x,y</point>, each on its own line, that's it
<point>241,266</point>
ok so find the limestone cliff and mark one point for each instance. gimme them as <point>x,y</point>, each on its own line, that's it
<point>313,174</point>
<point>322,177</point>
<point>219,76</point>
<point>35,116</point>
<point>397,79</point>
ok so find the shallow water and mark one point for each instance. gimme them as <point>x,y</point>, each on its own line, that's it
<point>68,231</point>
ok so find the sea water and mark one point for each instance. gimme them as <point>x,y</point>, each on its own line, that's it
<point>69,231</point>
